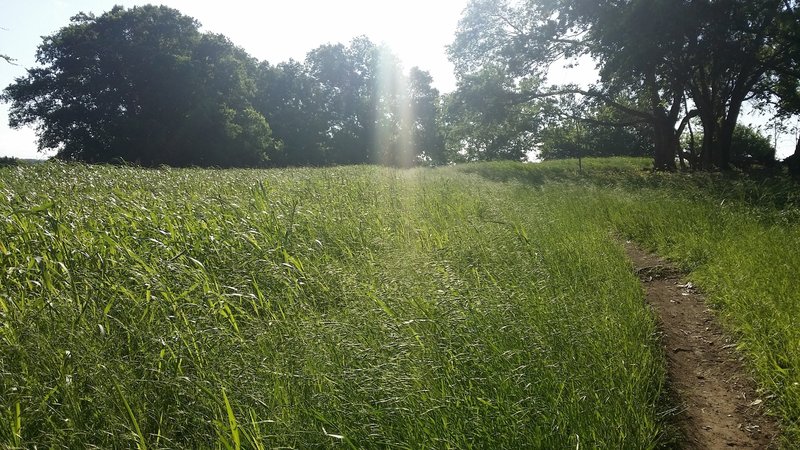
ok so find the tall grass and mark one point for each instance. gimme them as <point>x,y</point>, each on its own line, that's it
<point>737,234</point>
<point>746,259</point>
<point>355,307</point>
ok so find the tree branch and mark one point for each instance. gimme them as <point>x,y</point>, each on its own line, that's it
<point>608,123</point>
<point>689,116</point>
<point>616,105</point>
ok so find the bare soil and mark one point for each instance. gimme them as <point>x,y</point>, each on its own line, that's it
<point>718,405</point>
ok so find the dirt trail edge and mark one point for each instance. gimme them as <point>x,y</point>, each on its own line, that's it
<point>717,400</point>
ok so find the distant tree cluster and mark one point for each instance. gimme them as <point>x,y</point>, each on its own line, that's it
<point>8,161</point>
<point>350,105</point>
<point>144,85</point>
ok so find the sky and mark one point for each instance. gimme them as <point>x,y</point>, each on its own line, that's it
<point>417,31</point>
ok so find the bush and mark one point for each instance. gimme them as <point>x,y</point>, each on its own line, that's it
<point>8,161</point>
<point>750,146</point>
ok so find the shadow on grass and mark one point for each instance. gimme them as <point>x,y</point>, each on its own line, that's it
<point>769,188</point>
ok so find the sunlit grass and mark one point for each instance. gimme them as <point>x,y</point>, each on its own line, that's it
<point>362,307</point>
<point>737,234</point>
<point>370,307</point>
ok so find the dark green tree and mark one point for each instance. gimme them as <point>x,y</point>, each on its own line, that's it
<point>347,84</point>
<point>142,85</point>
<point>373,113</point>
<point>749,146</point>
<point>650,53</point>
<point>293,103</point>
<point>733,47</point>
<point>425,108</point>
<point>780,89</point>
<point>484,120</point>
<point>599,132</point>
<point>626,40</point>
<point>351,104</point>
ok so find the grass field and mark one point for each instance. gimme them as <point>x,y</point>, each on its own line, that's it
<point>469,307</point>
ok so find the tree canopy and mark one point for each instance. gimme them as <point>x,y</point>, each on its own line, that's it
<point>146,85</point>
<point>142,85</point>
<point>652,56</point>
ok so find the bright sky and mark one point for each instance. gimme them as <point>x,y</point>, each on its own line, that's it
<point>417,31</point>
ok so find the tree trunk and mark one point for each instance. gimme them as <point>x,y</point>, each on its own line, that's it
<point>666,145</point>
<point>707,148</point>
<point>722,154</point>
<point>793,162</point>
<point>725,138</point>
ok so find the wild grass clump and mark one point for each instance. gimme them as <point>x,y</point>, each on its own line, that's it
<point>359,307</point>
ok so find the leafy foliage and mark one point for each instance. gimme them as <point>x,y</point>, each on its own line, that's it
<point>8,161</point>
<point>485,123</point>
<point>142,85</point>
<point>597,132</point>
<point>750,146</point>
<point>650,53</point>
<point>525,38</point>
<point>350,105</point>
<point>426,110</point>
<point>292,101</point>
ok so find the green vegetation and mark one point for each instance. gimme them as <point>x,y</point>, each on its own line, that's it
<point>146,86</point>
<point>314,307</point>
<point>8,161</point>
<point>738,235</point>
<point>485,305</point>
<point>655,58</point>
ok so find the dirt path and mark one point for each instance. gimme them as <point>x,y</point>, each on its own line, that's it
<point>718,404</point>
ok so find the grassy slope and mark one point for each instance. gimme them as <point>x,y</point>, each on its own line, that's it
<point>739,237</point>
<point>371,307</point>
<point>306,308</point>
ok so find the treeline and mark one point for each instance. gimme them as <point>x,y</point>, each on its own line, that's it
<point>145,86</point>
<point>664,66</point>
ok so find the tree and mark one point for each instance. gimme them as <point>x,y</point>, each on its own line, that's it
<point>7,58</point>
<point>733,47</point>
<point>8,161</point>
<point>362,108</point>
<point>626,39</point>
<point>293,104</point>
<point>575,136</point>
<point>484,120</point>
<point>142,85</point>
<point>749,146</point>
<point>347,80</point>
<point>650,53</point>
<point>425,108</point>
<point>351,104</point>
<point>780,88</point>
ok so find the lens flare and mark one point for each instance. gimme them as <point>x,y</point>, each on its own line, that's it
<point>393,142</point>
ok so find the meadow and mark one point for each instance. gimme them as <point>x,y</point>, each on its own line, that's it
<point>476,306</point>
